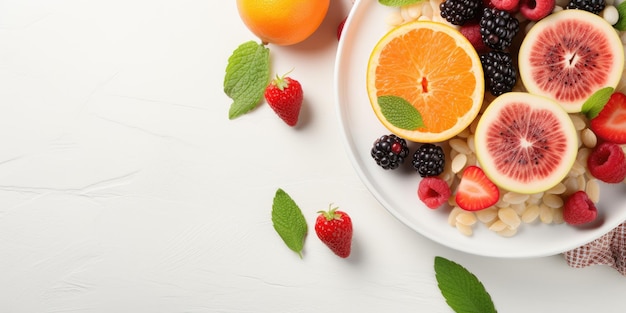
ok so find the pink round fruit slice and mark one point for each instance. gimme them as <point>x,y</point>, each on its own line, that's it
<point>525,143</point>
<point>569,55</point>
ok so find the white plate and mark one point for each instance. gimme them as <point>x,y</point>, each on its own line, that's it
<point>396,190</point>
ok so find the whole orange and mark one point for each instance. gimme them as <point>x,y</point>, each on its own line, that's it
<point>282,22</point>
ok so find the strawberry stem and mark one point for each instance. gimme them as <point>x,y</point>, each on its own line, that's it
<point>331,214</point>
<point>280,81</point>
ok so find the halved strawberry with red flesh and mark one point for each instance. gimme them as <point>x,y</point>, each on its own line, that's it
<point>610,124</point>
<point>476,191</point>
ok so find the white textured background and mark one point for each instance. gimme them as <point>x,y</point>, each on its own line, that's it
<point>125,188</point>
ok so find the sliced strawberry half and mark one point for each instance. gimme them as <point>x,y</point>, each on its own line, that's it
<point>475,191</point>
<point>610,124</point>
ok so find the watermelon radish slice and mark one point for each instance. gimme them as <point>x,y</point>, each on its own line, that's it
<point>525,143</point>
<point>569,55</point>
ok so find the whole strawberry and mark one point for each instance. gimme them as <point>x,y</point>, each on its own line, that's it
<point>284,95</point>
<point>334,228</point>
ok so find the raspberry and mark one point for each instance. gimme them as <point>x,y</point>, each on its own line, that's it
<point>498,28</point>
<point>500,74</point>
<point>458,12</point>
<point>505,5</point>
<point>607,163</point>
<point>433,191</point>
<point>535,10</point>
<point>593,6</point>
<point>578,209</point>
<point>429,160</point>
<point>389,151</point>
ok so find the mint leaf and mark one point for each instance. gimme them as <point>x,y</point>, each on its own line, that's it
<point>400,113</point>
<point>288,221</point>
<point>463,292</point>
<point>621,22</point>
<point>596,102</point>
<point>398,3</point>
<point>247,75</point>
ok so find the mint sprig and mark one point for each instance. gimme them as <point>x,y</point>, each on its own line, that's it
<point>289,221</point>
<point>592,107</point>
<point>400,113</point>
<point>463,292</point>
<point>398,3</point>
<point>247,75</point>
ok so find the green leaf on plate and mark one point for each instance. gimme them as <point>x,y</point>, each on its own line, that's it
<point>596,102</point>
<point>400,113</point>
<point>398,3</point>
<point>463,292</point>
<point>247,75</point>
<point>288,221</point>
<point>621,22</point>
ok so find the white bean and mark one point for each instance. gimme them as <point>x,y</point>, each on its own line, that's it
<point>519,207</point>
<point>453,214</point>
<point>576,170</point>
<point>460,145</point>
<point>514,197</point>
<point>571,185</point>
<point>487,215</point>
<point>581,181</point>
<point>610,14</point>
<point>508,232</point>
<point>557,216</point>
<point>583,155</point>
<point>404,12</point>
<point>588,138</point>
<point>471,143</point>
<point>545,214</point>
<point>509,217</point>
<point>467,218</point>
<point>498,226</point>
<point>578,121</point>
<point>557,189</point>
<point>464,229</point>
<point>394,19</point>
<point>458,163</point>
<point>427,10</point>
<point>553,201</point>
<point>434,4</point>
<point>414,11</point>
<point>464,133</point>
<point>530,214</point>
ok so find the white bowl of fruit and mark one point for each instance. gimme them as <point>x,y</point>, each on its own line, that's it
<point>496,128</point>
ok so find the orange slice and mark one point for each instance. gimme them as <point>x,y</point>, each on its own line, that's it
<point>436,70</point>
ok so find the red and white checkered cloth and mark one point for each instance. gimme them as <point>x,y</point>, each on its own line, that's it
<point>609,249</point>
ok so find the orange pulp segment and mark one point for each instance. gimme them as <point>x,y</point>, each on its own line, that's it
<point>433,67</point>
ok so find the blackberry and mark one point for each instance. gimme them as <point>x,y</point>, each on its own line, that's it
<point>429,160</point>
<point>389,151</point>
<point>457,12</point>
<point>593,6</point>
<point>497,28</point>
<point>500,75</point>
